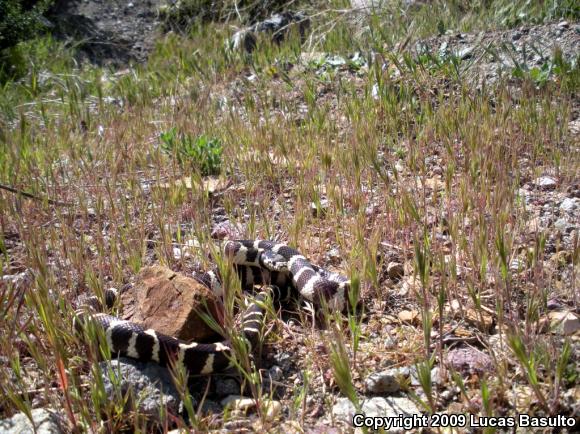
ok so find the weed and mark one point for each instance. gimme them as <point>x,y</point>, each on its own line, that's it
<point>201,153</point>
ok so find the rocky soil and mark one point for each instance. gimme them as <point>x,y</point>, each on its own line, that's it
<point>108,32</point>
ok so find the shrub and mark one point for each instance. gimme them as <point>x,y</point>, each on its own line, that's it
<point>21,20</point>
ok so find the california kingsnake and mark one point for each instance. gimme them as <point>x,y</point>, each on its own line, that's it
<point>257,262</point>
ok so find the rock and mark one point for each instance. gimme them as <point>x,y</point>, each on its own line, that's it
<point>410,316</point>
<point>479,318</point>
<point>554,304</point>
<point>389,342</point>
<point>238,402</point>
<point>226,230</point>
<point>572,397</point>
<point>383,382</point>
<point>244,405</point>
<point>564,322</point>
<point>275,373</point>
<point>273,409</point>
<point>106,33</point>
<point>186,249</point>
<point>148,385</point>
<point>390,407</point>
<point>285,360</point>
<point>318,210</point>
<point>395,270</point>
<point>546,183</point>
<point>278,26</point>
<point>574,125</point>
<point>226,387</point>
<point>448,394</point>
<point>409,285</point>
<point>170,303</point>
<point>19,280</point>
<point>344,409</point>
<point>563,226</point>
<point>438,377</point>
<point>525,195</point>
<point>238,425</point>
<point>569,205</point>
<point>43,422</point>
<point>469,360</point>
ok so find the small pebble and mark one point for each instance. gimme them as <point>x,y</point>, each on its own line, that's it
<point>382,382</point>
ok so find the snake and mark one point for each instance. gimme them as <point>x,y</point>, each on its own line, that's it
<point>280,269</point>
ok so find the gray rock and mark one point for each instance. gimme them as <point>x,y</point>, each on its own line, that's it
<point>277,26</point>
<point>237,425</point>
<point>99,34</point>
<point>284,360</point>
<point>406,373</point>
<point>276,373</point>
<point>437,376</point>
<point>546,182</point>
<point>448,394</point>
<point>375,407</point>
<point>570,204</point>
<point>389,342</point>
<point>44,422</point>
<point>383,382</point>
<point>226,387</point>
<point>563,225</point>
<point>19,280</point>
<point>151,385</point>
<point>469,360</point>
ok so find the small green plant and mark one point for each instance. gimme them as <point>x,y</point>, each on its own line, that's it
<point>340,364</point>
<point>424,376</point>
<point>202,153</point>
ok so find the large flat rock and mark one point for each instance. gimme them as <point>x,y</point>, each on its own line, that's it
<point>170,303</point>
